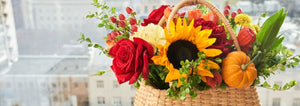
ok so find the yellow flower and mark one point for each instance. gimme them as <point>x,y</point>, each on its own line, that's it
<point>153,34</point>
<point>183,43</point>
<point>255,28</point>
<point>242,19</point>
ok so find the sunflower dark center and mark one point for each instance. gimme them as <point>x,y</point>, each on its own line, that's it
<point>181,50</point>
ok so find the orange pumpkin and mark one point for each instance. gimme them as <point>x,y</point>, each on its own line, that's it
<point>238,71</point>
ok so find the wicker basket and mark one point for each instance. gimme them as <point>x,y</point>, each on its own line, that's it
<point>147,95</point>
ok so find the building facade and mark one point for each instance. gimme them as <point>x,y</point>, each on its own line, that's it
<point>105,91</point>
<point>8,42</point>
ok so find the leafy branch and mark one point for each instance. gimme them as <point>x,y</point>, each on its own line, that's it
<point>277,87</point>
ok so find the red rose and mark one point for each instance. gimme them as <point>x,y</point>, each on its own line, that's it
<point>131,59</point>
<point>155,15</point>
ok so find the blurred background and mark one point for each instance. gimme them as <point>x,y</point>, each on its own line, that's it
<point>42,64</point>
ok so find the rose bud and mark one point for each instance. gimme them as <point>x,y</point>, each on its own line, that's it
<point>122,23</point>
<point>134,28</point>
<point>233,14</point>
<point>226,12</point>
<point>122,17</point>
<point>129,10</point>
<point>216,81</point>
<point>240,11</point>
<point>132,21</point>
<point>227,7</point>
<point>113,19</point>
<point>246,36</point>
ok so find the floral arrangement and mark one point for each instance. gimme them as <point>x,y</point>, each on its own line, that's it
<point>196,52</point>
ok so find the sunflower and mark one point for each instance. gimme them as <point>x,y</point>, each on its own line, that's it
<point>183,43</point>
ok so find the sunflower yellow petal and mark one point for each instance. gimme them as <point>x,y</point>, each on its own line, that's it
<point>203,72</point>
<point>212,65</point>
<point>205,33</point>
<point>203,79</point>
<point>172,76</point>
<point>212,52</point>
<point>172,28</point>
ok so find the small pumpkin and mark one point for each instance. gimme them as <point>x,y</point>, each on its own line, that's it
<point>238,71</point>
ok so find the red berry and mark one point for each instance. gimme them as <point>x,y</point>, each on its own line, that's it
<point>122,17</point>
<point>109,37</point>
<point>227,7</point>
<point>233,14</point>
<point>113,19</point>
<point>122,23</point>
<point>132,21</point>
<point>129,10</point>
<point>240,11</point>
<point>226,12</point>
<point>134,28</point>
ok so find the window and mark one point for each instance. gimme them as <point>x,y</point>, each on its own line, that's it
<point>100,84</point>
<point>115,84</point>
<point>276,102</point>
<point>75,85</point>
<point>53,85</point>
<point>55,99</point>
<point>296,102</point>
<point>117,101</point>
<point>66,98</point>
<point>65,85</point>
<point>101,100</point>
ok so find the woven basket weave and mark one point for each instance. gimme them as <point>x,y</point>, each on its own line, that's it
<point>147,95</point>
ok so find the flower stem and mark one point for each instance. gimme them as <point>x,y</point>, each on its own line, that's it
<point>244,66</point>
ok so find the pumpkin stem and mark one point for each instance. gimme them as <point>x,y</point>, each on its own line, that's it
<point>244,66</point>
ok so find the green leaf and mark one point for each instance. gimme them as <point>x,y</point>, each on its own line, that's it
<point>99,73</point>
<point>264,14</point>
<point>275,86</point>
<point>277,42</point>
<point>113,10</point>
<point>100,25</point>
<point>268,34</point>
<point>88,40</point>
<point>95,1</point>
<point>90,45</point>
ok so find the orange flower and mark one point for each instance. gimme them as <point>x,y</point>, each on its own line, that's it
<point>210,17</point>
<point>194,14</point>
<point>110,44</point>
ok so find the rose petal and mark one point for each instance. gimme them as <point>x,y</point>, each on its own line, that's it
<point>145,67</point>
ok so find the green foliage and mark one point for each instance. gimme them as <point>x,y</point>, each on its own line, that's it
<point>91,44</point>
<point>157,76</point>
<point>192,82</point>
<point>268,34</point>
<point>277,87</point>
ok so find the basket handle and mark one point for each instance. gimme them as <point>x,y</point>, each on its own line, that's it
<point>184,3</point>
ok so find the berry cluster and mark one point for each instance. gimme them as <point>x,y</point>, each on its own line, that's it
<point>232,15</point>
<point>123,26</point>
